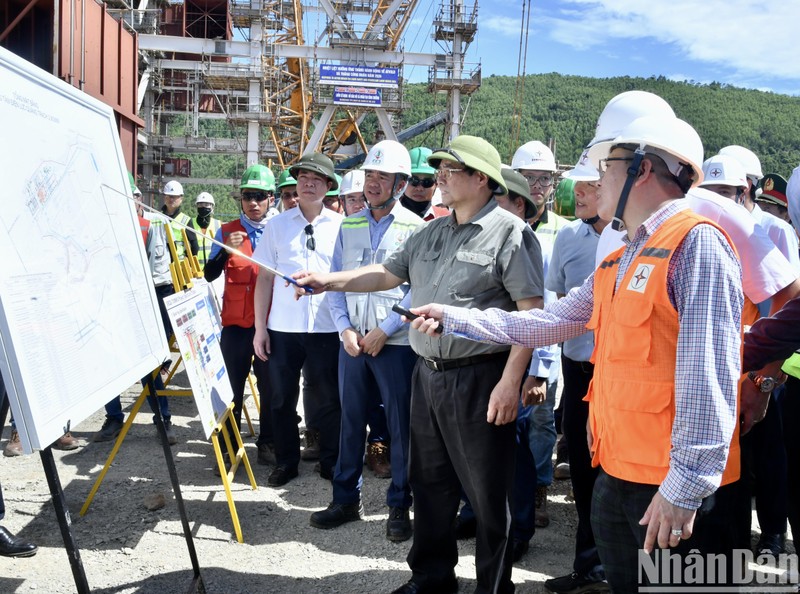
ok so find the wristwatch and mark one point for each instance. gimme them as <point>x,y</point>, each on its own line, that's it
<point>766,383</point>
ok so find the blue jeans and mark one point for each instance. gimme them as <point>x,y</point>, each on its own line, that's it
<point>542,435</point>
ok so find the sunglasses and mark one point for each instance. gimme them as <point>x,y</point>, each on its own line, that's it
<point>310,242</point>
<point>425,182</point>
<point>256,196</point>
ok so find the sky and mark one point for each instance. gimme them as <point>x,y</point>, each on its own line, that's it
<point>744,43</point>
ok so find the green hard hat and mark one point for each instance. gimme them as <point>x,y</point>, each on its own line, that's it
<point>335,192</point>
<point>258,177</point>
<point>565,198</point>
<point>419,160</point>
<point>286,179</point>
<point>319,164</point>
<point>518,186</point>
<point>475,153</point>
<point>132,180</point>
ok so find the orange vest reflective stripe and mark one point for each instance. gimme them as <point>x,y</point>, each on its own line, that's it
<point>632,396</point>
<point>240,282</point>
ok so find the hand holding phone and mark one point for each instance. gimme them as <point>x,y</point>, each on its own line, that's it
<point>410,315</point>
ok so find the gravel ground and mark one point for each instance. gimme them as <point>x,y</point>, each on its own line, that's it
<point>125,548</point>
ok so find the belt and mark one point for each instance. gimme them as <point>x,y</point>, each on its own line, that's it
<point>447,364</point>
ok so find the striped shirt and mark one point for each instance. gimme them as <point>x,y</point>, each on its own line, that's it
<point>705,288</point>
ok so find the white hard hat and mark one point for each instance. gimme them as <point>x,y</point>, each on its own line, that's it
<point>204,197</point>
<point>352,182</point>
<point>388,156</point>
<point>670,138</point>
<point>583,170</point>
<point>750,161</point>
<point>534,155</point>
<point>137,192</point>
<point>623,109</point>
<point>724,170</point>
<point>173,188</point>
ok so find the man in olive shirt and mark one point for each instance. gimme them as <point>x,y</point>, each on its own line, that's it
<point>464,394</point>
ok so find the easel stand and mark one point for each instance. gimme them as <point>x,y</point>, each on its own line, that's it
<point>64,521</point>
<point>235,455</point>
<point>196,584</point>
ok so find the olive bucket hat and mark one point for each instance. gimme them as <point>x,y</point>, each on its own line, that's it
<point>518,186</point>
<point>475,153</point>
<point>318,163</point>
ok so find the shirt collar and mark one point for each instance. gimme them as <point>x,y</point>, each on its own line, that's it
<point>478,219</point>
<point>655,220</point>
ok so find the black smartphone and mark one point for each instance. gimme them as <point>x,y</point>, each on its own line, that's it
<point>411,315</point>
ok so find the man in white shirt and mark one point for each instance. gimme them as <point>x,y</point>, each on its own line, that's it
<point>300,335</point>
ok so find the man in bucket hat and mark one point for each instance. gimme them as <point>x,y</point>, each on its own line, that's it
<point>295,335</point>
<point>464,394</point>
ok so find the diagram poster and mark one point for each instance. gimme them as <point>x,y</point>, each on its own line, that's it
<point>196,322</point>
<point>79,320</point>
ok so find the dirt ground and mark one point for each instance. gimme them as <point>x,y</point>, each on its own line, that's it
<point>127,549</point>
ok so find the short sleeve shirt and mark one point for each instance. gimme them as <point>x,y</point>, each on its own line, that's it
<point>492,260</point>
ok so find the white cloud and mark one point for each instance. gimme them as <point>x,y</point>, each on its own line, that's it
<point>745,37</point>
<point>500,24</point>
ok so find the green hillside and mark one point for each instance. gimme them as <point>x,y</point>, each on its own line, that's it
<point>565,108</point>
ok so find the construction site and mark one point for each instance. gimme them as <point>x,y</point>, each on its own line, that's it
<point>263,81</point>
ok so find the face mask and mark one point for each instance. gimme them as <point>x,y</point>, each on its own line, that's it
<point>203,216</point>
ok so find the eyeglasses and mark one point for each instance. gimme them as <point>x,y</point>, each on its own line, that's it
<point>445,173</point>
<point>425,182</point>
<point>310,242</point>
<point>604,162</point>
<point>542,180</point>
<point>256,196</point>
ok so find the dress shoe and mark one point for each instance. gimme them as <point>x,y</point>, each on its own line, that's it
<point>561,471</point>
<point>311,451</point>
<point>771,544</point>
<point>411,587</point>
<point>13,546</point>
<point>541,517</point>
<point>377,460</point>
<point>398,526</point>
<point>110,429</point>
<point>14,446</point>
<point>281,475</point>
<point>466,528</point>
<point>337,514</point>
<point>67,442</point>
<point>518,549</point>
<point>575,583</point>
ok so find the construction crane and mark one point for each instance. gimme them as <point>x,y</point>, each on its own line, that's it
<point>519,86</point>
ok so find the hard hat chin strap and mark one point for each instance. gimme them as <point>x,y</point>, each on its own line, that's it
<point>398,188</point>
<point>616,223</point>
<point>591,220</point>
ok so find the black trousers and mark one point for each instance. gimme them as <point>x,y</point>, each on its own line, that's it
<point>317,356</point>
<point>577,375</point>
<point>452,446</point>
<point>236,345</point>
<point>617,507</point>
<point>789,404</point>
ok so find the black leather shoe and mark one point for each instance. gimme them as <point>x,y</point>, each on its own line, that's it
<point>281,475</point>
<point>412,587</point>
<point>12,546</point>
<point>518,549</point>
<point>771,544</point>
<point>337,514</point>
<point>398,526</point>
<point>465,528</point>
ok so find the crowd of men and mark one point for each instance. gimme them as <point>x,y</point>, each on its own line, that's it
<point>638,306</point>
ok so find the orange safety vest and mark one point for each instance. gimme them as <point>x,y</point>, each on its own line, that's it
<point>240,282</point>
<point>632,396</point>
<point>144,227</point>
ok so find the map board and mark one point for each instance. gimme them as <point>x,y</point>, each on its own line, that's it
<point>79,319</point>
<point>196,322</point>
